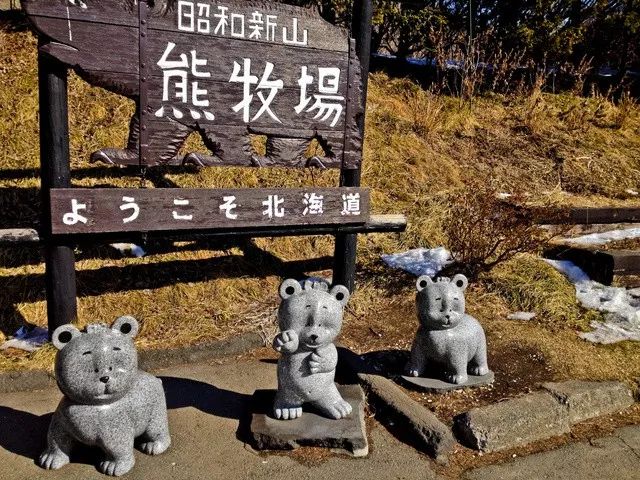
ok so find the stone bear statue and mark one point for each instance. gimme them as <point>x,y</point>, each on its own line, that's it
<point>446,335</point>
<point>310,318</point>
<point>107,401</point>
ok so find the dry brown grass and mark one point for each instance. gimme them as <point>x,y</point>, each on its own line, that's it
<point>420,151</point>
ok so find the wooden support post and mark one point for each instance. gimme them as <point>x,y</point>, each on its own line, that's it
<point>344,268</point>
<point>60,275</point>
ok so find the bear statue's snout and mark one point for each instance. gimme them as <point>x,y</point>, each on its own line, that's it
<point>313,337</point>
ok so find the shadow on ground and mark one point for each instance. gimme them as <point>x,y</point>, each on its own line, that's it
<point>24,433</point>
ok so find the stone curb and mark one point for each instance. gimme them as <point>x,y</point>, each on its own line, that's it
<point>539,415</point>
<point>150,360</point>
<point>432,435</point>
<point>584,400</point>
<point>511,423</point>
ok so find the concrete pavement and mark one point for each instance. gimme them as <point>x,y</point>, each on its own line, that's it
<point>207,416</point>
<point>610,458</point>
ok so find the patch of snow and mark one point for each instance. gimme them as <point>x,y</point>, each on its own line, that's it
<point>605,237</point>
<point>631,192</point>
<point>129,249</point>
<point>27,339</point>
<point>420,261</point>
<point>621,306</point>
<point>525,316</point>
<point>574,273</point>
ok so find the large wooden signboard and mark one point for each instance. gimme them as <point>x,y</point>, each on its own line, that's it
<point>226,69</point>
<point>239,74</point>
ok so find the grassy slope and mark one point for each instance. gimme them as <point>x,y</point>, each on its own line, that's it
<point>420,150</point>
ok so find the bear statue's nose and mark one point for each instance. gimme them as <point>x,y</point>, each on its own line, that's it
<point>104,379</point>
<point>313,337</point>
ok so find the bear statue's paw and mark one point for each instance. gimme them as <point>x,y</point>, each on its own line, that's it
<point>340,409</point>
<point>53,460</point>
<point>156,447</point>
<point>482,370</point>
<point>457,378</point>
<point>287,413</point>
<point>115,468</point>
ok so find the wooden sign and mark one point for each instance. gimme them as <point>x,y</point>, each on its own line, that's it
<point>228,70</point>
<point>96,210</point>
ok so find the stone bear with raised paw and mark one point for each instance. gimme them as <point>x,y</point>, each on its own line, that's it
<point>446,335</point>
<point>310,318</point>
<point>108,402</point>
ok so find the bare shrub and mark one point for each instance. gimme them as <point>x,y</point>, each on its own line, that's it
<point>484,230</point>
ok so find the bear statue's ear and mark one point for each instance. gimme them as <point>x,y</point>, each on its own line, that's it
<point>63,335</point>
<point>289,287</point>
<point>341,294</point>
<point>423,282</point>
<point>127,325</point>
<point>460,281</point>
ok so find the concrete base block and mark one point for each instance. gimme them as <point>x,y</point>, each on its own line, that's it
<point>312,429</point>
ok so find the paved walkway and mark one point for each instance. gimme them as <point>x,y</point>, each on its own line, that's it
<point>610,458</point>
<point>207,405</point>
<point>207,415</point>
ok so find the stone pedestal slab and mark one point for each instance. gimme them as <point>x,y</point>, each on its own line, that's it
<point>312,429</point>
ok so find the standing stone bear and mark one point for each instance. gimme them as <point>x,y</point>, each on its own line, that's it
<point>310,318</point>
<point>446,335</point>
<point>107,401</point>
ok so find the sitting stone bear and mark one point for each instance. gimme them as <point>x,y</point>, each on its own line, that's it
<point>446,335</point>
<point>107,401</point>
<point>310,318</point>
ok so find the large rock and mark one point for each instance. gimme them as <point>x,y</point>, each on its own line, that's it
<point>311,429</point>
<point>585,400</point>
<point>514,422</point>
<point>432,435</point>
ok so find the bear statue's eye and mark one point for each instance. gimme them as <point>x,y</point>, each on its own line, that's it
<point>438,299</point>
<point>307,306</point>
<point>96,370</point>
<point>325,307</point>
<point>456,298</point>
<point>116,349</point>
<point>88,352</point>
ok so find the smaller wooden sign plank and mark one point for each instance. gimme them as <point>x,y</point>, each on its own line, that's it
<point>267,22</point>
<point>100,210</point>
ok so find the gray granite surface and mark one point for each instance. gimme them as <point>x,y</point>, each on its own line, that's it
<point>108,402</point>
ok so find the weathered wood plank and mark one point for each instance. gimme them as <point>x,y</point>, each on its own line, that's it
<point>104,12</point>
<point>590,215</point>
<point>600,265</point>
<point>83,48</point>
<point>95,210</point>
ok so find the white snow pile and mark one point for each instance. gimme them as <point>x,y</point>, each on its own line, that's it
<point>129,249</point>
<point>28,339</point>
<point>605,237</point>
<point>621,306</point>
<point>420,261</point>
